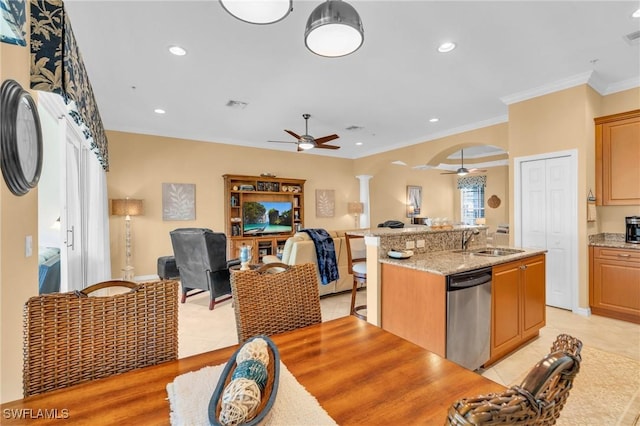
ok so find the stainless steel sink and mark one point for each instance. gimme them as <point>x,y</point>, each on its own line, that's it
<point>491,251</point>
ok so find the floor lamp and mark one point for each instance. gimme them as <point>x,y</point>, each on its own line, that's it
<point>355,208</point>
<point>127,207</point>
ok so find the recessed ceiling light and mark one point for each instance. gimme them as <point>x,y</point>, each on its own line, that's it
<point>177,50</point>
<point>446,47</point>
<point>159,111</point>
<point>434,120</point>
<point>358,143</point>
<point>636,14</point>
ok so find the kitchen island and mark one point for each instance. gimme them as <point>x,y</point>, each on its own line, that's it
<point>410,295</point>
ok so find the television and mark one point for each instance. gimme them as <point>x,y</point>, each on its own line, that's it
<point>267,217</point>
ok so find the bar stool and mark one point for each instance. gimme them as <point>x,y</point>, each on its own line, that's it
<point>357,262</point>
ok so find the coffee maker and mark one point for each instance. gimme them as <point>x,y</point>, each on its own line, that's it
<point>633,229</point>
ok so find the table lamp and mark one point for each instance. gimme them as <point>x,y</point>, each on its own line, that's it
<point>356,208</point>
<point>127,207</point>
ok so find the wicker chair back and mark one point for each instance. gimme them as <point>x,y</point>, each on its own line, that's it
<point>275,299</point>
<point>537,401</point>
<point>70,338</point>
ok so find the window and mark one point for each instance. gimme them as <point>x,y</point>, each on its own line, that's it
<point>471,204</point>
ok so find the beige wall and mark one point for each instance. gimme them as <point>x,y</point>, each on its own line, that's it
<point>439,193</point>
<point>18,274</point>
<point>139,164</point>
<point>564,121</point>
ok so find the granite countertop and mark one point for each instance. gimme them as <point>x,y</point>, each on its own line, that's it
<point>611,240</point>
<point>449,262</point>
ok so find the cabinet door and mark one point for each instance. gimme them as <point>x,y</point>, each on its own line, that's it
<point>533,295</point>
<point>616,289</point>
<point>618,150</point>
<point>505,303</point>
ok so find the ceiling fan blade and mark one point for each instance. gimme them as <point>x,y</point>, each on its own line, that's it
<point>327,147</point>
<point>325,139</point>
<point>299,149</point>
<point>477,170</point>
<point>292,133</point>
<point>449,173</point>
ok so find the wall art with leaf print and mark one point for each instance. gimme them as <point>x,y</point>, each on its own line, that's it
<point>178,201</point>
<point>325,203</point>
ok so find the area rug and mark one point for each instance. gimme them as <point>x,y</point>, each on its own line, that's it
<point>606,391</point>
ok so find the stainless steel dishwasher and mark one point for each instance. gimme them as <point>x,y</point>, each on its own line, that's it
<point>469,318</point>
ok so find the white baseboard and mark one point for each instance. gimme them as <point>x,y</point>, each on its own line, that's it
<point>585,312</point>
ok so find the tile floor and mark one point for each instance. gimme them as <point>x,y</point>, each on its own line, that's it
<point>202,330</point>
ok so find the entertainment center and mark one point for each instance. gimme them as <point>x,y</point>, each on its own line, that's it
<point>261,212</point>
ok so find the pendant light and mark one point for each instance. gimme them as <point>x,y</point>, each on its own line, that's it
<point>258,11</point>
<point>334,29</point>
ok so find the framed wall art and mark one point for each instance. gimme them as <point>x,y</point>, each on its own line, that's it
<point>325,203</point>
<point>414,200</point>
<point>178,201</point>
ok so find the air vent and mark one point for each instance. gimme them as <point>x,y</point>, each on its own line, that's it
<point>633,38</point>
<point>237,104</point>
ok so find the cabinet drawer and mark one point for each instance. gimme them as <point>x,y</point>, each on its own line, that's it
<point>616,254</point>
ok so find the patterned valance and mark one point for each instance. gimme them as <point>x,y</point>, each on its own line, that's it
<point>56,66</point>
<point>466,182</point>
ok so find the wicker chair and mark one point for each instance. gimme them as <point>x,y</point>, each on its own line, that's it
<point>70,338</point>
<point>537,401</point>
<point>275,298</point>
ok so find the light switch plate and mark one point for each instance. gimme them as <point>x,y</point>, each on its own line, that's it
<point>28,246</point>
<point>419,243</point>
<point>410,245</point>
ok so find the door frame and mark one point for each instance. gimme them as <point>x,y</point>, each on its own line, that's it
<point>572,154</point>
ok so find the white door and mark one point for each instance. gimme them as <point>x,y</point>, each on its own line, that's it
<point>72,274</point>
<point>546,218</point>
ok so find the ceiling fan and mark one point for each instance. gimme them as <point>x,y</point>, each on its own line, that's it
<point>462,170</point>
<point>307,141</point>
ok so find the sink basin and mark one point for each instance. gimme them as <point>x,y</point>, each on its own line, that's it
<point>491,251</point>
<point>496,251</point>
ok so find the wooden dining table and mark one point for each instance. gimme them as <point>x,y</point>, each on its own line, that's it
<point>359,373</point>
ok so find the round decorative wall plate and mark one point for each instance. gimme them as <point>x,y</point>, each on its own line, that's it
<point>494,201</point>
<point>20,138</point>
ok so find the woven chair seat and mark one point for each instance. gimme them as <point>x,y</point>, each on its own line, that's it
<point>274,302</point>
<point>538,400</point>
<point>70,338</point>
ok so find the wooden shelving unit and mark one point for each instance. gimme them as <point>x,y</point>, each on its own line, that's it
<point>240,192</point>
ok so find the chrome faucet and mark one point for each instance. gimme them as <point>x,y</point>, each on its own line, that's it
<point>466,238</point>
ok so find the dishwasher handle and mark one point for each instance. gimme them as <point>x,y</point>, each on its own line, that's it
<point>462,281</point>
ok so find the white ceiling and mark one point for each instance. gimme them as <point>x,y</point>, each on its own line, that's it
<point>389,89</point>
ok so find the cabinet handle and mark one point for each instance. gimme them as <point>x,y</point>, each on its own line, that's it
<point>624,255</point>
<point>523,267</point>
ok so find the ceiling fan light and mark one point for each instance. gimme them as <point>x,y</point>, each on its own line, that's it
<point>258,11</point>
<point>334,29</point>
<point>462,172</point>
<point>305,145</point>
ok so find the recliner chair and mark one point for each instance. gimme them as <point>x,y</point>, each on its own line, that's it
<point>201,258</point>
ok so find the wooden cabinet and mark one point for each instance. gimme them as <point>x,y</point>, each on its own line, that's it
<point>614,283</point>
<point>618,159</point>
<point>262,212</point>
<point>518,303</point>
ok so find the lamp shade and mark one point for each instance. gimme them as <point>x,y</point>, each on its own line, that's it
<point>126,207</point>
<point>334,29</point>
<point>355,208</point>
<point>258,11</point>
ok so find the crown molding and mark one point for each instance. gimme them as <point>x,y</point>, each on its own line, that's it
<point>620,86</point>
<point>556,86</point>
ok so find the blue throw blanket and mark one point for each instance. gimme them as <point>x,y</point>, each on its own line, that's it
<point>326,254</point>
